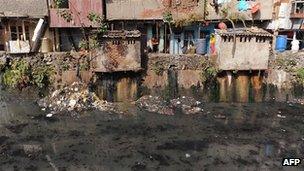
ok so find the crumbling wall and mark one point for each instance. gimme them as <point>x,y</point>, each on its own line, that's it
<point>118,55</point>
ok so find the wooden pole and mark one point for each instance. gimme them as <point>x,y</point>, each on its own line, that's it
<point>23,31</point>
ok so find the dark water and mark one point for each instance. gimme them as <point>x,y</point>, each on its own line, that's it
<point>117,87</point>
<point>249,136</point>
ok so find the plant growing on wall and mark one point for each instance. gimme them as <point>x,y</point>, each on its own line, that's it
<point>300,75</point>
<point>58,3</point>
<point>168,18</point>
<point>64,13</point>
<point>98,20</point>
<point>90,38</point>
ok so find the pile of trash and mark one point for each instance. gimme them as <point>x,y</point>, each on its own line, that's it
<point>155,104</point>
<point>75,97</point>
<point>188,105</point>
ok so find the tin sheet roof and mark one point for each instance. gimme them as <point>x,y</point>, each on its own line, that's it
<point>23,8</point>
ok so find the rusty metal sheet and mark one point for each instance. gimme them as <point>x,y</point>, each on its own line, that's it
<point>147,9</point>
<point>80,10</point>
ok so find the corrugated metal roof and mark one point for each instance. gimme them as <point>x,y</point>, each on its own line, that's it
<point>134,9</point>
<point>23,8</point>
<point>147,9</point>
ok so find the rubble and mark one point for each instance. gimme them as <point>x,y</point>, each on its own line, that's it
<point>188,105</point>
<point>76,97</point>
<point>155,104</point>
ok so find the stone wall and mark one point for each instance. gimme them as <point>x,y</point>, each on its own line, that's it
<point>284,69</point>
<point>65,66</point>
<point>188,70</point>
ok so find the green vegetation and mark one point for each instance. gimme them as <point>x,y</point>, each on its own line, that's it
<point>90,38</point>
<point>42,75</point>
<point>17,74</point>
<point>168,18</point>
<point>286,64</point>
<point>59,3</point>
<point>2,65</point>
<point>209,73</point>
<point>209,69</point>
<point>158,69</point>
<point>100,21</point>
<point>84,65</point>
<point>300,75</point>
<point>20,73</point>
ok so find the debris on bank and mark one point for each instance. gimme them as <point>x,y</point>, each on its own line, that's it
<point>75,97</point>
<point>155,104</point>
<point>297,101</point>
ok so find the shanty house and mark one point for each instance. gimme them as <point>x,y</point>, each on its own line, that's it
<point>22,25</point>
<point>158,36</point>
<point>243,49</point>
<point>70,18</point>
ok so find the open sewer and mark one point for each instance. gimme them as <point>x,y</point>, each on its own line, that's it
<point>249,136</point>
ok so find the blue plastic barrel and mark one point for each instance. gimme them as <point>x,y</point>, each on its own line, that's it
<point>281,43</point>
<point>201,46</point>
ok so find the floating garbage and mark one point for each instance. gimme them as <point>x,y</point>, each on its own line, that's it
<point>49,115</point>
<point>219,116</point>
<point>281,116</point>
<point>188,105</point>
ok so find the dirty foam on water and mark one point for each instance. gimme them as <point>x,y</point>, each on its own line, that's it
<point>224,136</point>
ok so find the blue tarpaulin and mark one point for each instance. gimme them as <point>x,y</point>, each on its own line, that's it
<point>243,5</point>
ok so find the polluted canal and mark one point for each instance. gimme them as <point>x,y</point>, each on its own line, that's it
<point>211,136</point>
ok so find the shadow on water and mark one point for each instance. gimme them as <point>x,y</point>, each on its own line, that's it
<point>229,86</point>
<point>172,82</point>
<point>250,136</point>
<point>118,86</point>
<point>248,86</point>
